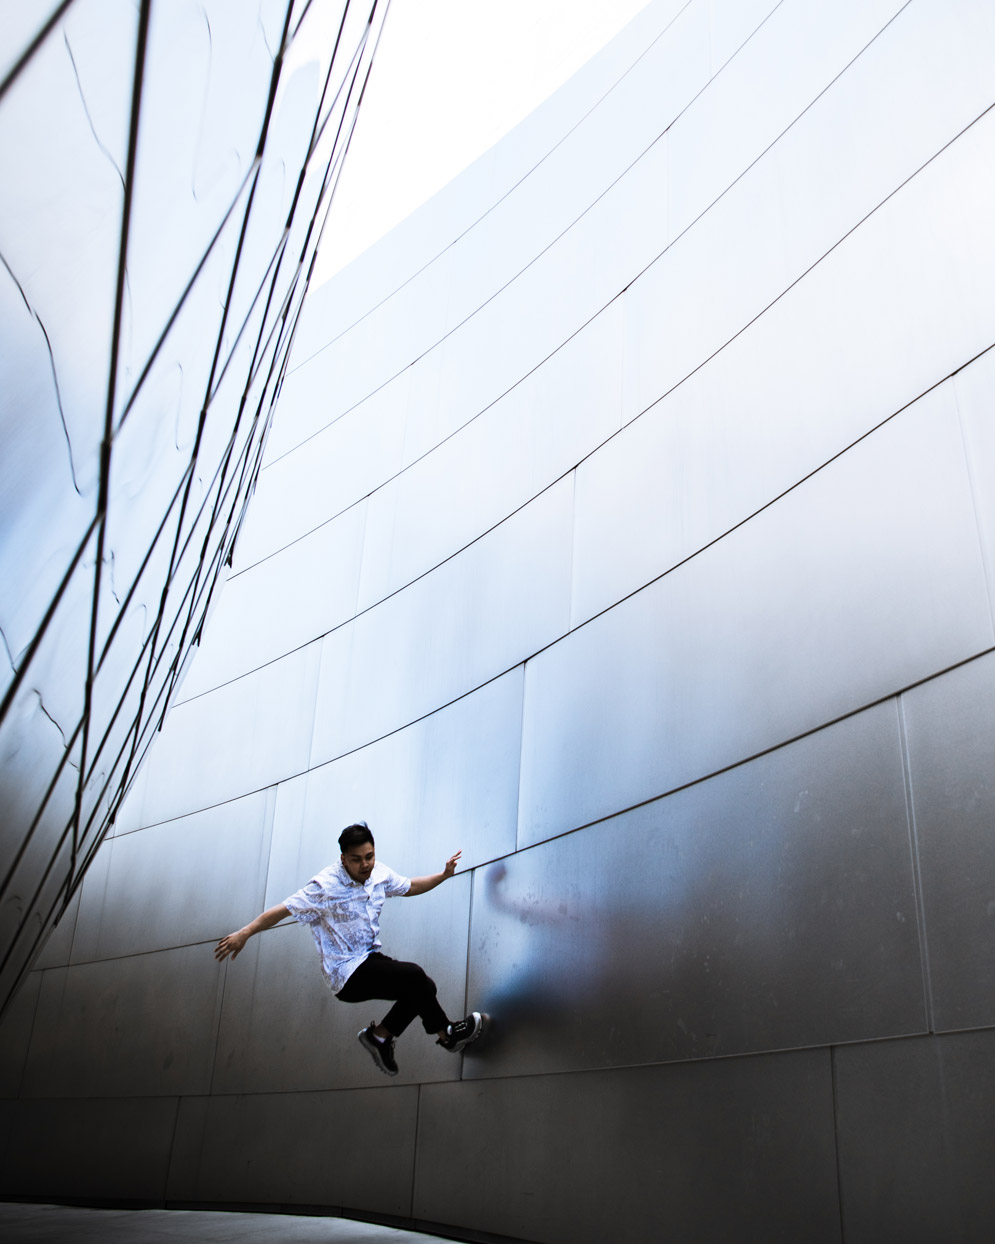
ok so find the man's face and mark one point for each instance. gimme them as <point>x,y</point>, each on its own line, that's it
<point>358,861</point>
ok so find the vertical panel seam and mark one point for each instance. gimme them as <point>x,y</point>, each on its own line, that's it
<point>836,1142</point>
<point>927,983</point>
<point>521,755</point>
<point>414,1152</point>
<point>219,1016</point>
<point>571,584</point>
<point>170,1153</point>
<point>985,552</point>
<point>31,1036</point>
<point>466,967</point>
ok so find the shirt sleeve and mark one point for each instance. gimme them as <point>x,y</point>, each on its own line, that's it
<point>307,903</point>
<point>395,884</point>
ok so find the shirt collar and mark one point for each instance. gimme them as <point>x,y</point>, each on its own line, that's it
<point>347,880</point>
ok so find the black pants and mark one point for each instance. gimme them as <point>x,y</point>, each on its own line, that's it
<point>404,984</point>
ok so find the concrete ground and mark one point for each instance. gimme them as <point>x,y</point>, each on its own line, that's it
<point>68,1224</point>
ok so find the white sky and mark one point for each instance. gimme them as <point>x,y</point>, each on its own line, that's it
<point>450,78</point>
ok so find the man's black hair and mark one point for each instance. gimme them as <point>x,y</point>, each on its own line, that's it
<point>354,835</point>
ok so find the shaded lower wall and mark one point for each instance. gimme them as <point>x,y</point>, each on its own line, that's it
<point>661,583</point>
<point>647,977</point>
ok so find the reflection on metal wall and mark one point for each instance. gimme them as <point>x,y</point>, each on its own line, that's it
<point>627,521</point>
<point>166,169</point>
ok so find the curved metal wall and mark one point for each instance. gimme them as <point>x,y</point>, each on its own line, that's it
<point>628,522</point>
<point>166,170</point>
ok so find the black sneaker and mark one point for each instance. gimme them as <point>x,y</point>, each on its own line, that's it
<point>382,1052</point>
<point>460,1034</point>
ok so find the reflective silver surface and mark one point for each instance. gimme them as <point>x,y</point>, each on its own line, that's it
<point>452,785</point>
<point>950,726</point>
<point>974,388</point>
<point>303,605</point>
<point>144,1025</point>
<point>738,1149</point>
<point>719,138</point>
<point>160,887</point>
<point>234,722</point>
<point>156,241</point>
<point>799,615</point>
<point>282,1029</point>
<point>470,606</point>
<point>769,907</point>
<point>494,605</point>
<point>915,1139</point>
<point>503,459</point>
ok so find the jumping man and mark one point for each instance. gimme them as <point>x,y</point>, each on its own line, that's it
<point>342,905</point>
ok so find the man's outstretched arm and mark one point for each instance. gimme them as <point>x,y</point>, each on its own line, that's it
<point>233,943</point>
<point>420,884</point>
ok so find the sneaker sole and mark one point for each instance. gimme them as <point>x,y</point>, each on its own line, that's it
<point>374,1053</point>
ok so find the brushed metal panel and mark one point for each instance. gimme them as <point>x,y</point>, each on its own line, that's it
<point>130,816</point>
<point>32,746</point>
<point>599,149</point>
<point>193,149</point>
<point>37,888</point>
<point>236,739</point>
<point>346,379</point>
<point>53,688</point>
<point>153,446</point>
<point>863,580</point>
<point>738,445</point>
<point>15,1034</point>
<point>60,225</point>
<point>176,883</point>
<point>770,907</point>
<point>283,1030</point>
<point>281,604</point>
<point>896,330</point>
<point>857,142</point>
<point>59,943</point>
<point>740,1149</point>
<point>141,1026</point>
<point>475,617</point>
<point>336,467</point>
<point>249,1149</point>
<point>950,726</point>
<point>42,516</point>
<point>21,25</point>
<point>111,1149</point>
<point>732,23</point>
<point>446,783</point>
<point>795,54</point>
<point>916,1145</point>
<point>974,387</point>
<point>498,462</point>
<point>521,326</point>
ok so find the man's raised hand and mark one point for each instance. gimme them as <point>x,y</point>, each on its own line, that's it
<point>230,945</point>
<point>451,863</point>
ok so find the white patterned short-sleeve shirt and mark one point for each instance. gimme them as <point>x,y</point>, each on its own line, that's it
<point>344,916</point>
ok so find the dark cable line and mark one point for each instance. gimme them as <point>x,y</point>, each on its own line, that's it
<point>29,52</point>
<point>47,617</point>
<point>128,406</point>
<point>224,503</point>
<point>141,44</point>
<point>212,389</point>
<point>163,692</point>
